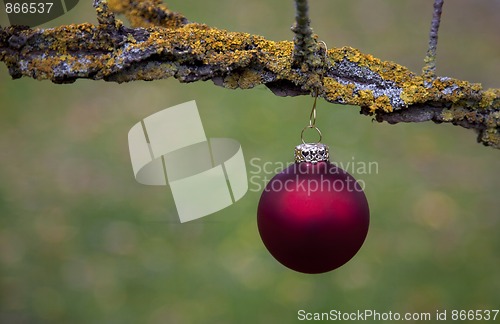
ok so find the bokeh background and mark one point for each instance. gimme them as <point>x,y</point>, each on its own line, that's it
<point>82,242</point>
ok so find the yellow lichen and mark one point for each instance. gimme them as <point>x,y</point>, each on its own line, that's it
<point>447,115</point>
<point>249,79</point>
<point>414,92</point>
<point>488,97</point>
<point>231,81</point>
<point>131,39</point>
<point>386,69</point>
<point>381,103</point>
<point>365,98</point>
<point>147,13</point>
<point>335,91</point>
<point>491,137</point>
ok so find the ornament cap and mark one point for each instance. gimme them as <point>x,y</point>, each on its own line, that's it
<point>311,152</point>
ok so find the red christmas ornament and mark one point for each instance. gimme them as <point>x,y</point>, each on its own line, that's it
<point>313,217</point>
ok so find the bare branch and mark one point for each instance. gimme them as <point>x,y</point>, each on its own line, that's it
<point>429,70</point>
<point>194,52</point>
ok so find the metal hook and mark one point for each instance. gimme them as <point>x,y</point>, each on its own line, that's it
<point>312,116</point>
<point>312,121</point>
<point>326,47</point>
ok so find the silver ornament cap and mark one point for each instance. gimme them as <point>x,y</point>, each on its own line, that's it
<point>312,153</point>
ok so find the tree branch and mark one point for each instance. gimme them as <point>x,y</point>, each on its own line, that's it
<point>192,52</point>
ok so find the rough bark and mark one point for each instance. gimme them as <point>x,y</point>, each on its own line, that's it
<point>165,44</point>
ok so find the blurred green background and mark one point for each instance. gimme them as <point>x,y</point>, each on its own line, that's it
<point>82,242</point>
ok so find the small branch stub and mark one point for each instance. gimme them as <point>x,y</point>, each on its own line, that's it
<point>308,55</point>
<point>305,44</point>
<point>104,15</point>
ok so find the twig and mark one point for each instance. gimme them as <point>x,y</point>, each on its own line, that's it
<point>104,15</point>
<point>306,56</point>
<point>147,13</point>
<point>429,70</point>
<point>305,44</point>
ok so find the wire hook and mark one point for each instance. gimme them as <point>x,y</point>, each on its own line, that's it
<point>312,121</point>
<point>312,116</point>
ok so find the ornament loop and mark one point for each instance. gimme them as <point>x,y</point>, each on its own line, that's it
<point>313,127</point>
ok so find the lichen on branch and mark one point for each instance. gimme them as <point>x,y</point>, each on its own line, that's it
<point>305,44</point>
<point>146,13</point>
<point>170,46</point>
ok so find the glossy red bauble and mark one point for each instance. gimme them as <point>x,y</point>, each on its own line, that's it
<point>313,218</point>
